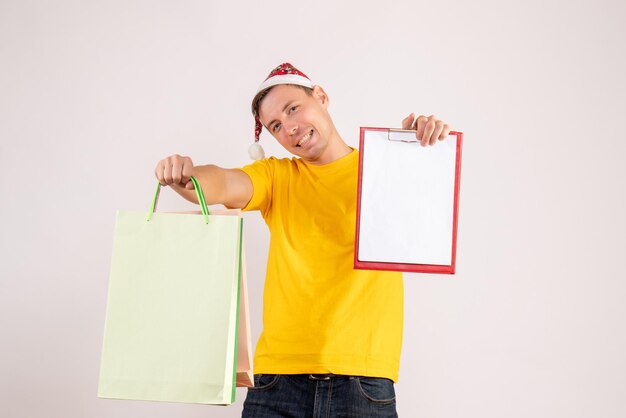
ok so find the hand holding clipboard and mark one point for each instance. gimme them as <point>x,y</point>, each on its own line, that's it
<point>428,130</point>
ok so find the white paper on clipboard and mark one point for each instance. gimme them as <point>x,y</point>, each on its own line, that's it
<point>407,200</point>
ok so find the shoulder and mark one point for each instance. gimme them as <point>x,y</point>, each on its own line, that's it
<point>272,167</point>
<point>274,163</point>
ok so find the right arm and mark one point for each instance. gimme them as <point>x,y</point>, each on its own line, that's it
<point>229,187</point>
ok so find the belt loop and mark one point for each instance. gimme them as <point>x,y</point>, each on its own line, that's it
<point>320,376</point>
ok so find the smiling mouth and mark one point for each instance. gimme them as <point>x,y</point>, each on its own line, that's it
<point>305,139</point>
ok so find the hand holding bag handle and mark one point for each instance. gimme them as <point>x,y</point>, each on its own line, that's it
<point>199,194</point>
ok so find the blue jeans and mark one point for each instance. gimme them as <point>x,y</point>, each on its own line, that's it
<point>317,396</point>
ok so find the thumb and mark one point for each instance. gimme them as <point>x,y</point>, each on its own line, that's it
<point>407,123</point>
<point>189,185</point>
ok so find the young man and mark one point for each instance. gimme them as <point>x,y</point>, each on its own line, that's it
<point>331,338</point>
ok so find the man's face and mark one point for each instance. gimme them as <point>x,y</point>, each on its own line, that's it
<point>299,122</point>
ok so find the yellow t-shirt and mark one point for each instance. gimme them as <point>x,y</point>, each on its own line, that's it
<point>320,315</point>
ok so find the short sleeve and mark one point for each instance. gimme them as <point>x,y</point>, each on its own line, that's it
<point>261,173</point>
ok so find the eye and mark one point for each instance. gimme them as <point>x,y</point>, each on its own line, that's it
<point>293,109</point>
<point>276,127</point>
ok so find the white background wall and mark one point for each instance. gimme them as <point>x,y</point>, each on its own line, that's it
<point>94,94</point>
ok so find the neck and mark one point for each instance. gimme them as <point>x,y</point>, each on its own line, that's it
<point>337,148</point>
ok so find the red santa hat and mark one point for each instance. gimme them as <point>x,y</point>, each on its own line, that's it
<point>283,74</point>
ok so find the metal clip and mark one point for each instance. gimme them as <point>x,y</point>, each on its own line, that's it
<point>401,135</point>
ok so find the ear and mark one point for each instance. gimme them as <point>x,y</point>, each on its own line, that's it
<point>320,95</point>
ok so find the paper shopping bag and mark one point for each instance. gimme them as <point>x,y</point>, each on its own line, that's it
<point>245,377</point>
<point>171,325</point>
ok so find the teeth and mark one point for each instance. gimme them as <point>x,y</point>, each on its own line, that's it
<point>304,139</point>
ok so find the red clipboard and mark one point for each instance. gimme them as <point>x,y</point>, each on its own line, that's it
<point>407,202</point>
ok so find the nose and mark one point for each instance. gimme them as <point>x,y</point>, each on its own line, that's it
<point>290,127</point>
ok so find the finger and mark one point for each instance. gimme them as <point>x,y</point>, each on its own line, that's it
<point>177,170</point>
<point>187,170</point>
<point>445,132</point>
<point>167,171</point>
<point>429,127</point>
<point>407,123</point>
<point>158,172</point>
<point>438,129</point>
<point>420,124</point>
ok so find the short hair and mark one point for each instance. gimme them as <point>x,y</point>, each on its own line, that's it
<point>256,102</point>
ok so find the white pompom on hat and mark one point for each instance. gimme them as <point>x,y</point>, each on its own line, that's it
<point>285,73</point>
